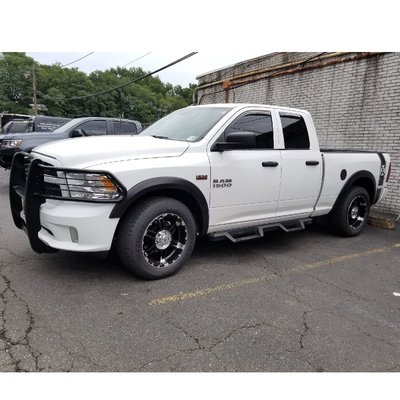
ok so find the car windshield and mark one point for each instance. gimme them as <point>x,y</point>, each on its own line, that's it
<point>187,124</point>
<point>67,126</point>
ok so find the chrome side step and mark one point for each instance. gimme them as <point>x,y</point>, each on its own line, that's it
<point>240,235</point>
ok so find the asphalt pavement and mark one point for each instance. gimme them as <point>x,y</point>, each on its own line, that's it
<point>303,301</point>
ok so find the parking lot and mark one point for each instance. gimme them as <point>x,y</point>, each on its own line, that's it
<point>304,301</point>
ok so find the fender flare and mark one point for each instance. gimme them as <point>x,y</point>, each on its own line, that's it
<point>356,176</point>
<point>165,183</point>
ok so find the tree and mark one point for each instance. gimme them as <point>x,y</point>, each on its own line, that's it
<point>186,93</point>
<point>16,82</point>
<point>59,89</point>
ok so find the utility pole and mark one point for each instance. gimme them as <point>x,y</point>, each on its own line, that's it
<point>34,89</point>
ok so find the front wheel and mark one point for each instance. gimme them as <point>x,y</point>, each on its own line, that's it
<point>156,238</point>
<point>351,213</point>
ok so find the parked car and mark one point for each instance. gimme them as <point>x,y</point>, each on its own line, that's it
<point>224,170</point>
<point>79,127</point>
<point>39,123</point>
<point>17,126</point>
<point>5,117</point>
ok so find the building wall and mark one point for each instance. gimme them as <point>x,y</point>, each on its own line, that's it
<point>354,101</point>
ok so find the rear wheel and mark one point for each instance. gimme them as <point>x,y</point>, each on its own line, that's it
<point>351,213</point>
<point>157,237</point>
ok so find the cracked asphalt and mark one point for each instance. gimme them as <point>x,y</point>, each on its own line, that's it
<point>305,301</point>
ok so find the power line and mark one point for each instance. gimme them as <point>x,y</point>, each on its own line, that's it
<point>87,55</point>
<point>135,80</point>
<point>136,59</point>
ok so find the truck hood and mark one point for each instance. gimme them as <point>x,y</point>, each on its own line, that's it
<point>90,151</point>
<point>25,136</point>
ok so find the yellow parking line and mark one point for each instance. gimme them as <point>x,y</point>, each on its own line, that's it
<point>252,281</point>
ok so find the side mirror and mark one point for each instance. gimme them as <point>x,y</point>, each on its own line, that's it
<point>76,133</point>
<point>237,141</point>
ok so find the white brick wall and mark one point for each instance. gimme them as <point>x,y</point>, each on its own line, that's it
<point>354,104</point>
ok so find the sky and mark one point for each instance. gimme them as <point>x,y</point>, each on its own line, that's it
<point>182,74</point>
<point>222,32</point>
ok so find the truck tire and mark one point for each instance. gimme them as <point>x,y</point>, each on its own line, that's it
<point>350,215</point>
<point>156,238</point>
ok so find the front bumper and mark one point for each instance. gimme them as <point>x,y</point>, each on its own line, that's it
<point>53,225</point>
<point>77,226</point>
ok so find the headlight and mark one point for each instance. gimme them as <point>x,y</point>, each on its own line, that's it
<point>12,143</point>
<point>87,186</point>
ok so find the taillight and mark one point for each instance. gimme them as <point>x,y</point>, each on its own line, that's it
<point>389,171</point>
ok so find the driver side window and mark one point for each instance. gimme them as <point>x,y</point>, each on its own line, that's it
<point>93,128</point>
<point>258,123</point>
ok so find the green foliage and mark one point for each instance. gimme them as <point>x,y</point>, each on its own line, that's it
<point>15,82</point>
<point>146,100</point>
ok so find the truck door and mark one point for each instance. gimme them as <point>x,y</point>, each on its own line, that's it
<point>301,166</point>
<point>245,183</point>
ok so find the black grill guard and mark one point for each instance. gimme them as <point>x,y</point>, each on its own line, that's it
<point>28,192</point>
<point>6,156</point>
<point>24,179</point>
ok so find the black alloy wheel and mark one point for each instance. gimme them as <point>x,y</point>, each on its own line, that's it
<point>156,237</point>
<point>357,211</point>
<point>164,240</point>
<point>350,214</point>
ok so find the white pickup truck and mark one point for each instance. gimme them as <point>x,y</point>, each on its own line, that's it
<point>223,170</point>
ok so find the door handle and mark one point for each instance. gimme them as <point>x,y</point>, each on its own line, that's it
<point>312,162</point>
<point>269,163</point>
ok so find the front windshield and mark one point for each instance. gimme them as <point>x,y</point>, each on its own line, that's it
<point>188,124</point>
<point>66,127</point>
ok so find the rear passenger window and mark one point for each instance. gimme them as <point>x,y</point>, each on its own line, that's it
<point>129,127</point>
<point>125,128</point>
<point>295,132</point>
<point>260,124</point>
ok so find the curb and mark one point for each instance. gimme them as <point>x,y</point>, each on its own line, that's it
<point>383,220</point>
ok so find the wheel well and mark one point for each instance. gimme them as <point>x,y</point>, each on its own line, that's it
<point>368,185</point>
<point>362,179</point>
<point>182,196</point>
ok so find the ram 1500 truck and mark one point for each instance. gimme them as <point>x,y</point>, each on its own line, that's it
<point>223,170</point>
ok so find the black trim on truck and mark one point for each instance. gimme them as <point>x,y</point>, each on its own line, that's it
<point>23,181</point>
<point>383,168</point>
<point>381,177</point>
<point>165,185</point>
<point>360,175</point>
<point>6,156</point>
<point>348,151</point>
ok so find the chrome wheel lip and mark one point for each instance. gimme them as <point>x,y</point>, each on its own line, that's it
<point>357,212</point>
<point>166,237</point>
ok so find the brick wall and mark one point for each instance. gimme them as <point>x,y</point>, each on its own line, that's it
<point>354,99</point>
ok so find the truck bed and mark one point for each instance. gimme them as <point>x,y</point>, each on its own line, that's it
<point>340,166</point>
